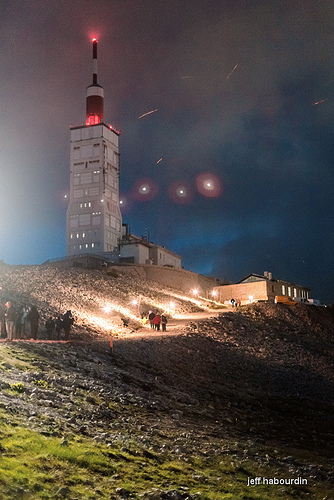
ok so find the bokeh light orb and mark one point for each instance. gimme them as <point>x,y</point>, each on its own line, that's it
<point>209,185</point>
<point>181,192</point>
<point>145,189</point>
<point>125,203</point>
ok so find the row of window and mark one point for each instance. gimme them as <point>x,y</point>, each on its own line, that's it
<point>286,290</point>
<point>85,246</point>
<point>86,178</point>
<point>94,178</point>
<point>88,246</point>
<point>81,193</point>
<point>111,221</point>
<point>86,151</point>
<point>95,219</point>
<point>94,150</point>
<point>85,220</point>
<point>83,234</point>
<point>95,133</point>
<point>112,237</point>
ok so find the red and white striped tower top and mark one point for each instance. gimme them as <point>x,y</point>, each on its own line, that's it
<point>94,99</point>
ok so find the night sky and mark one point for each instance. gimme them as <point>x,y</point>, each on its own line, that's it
<point>244,123</point>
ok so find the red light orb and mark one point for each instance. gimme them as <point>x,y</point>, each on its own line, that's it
<point>209,185</point>
<point>181,193</point>
<point>145,189</point>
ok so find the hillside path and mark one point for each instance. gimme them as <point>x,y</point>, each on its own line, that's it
<point>175,326</point>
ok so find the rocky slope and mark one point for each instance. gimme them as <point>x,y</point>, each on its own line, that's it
<point>250,385</point>
<point>89,294</point>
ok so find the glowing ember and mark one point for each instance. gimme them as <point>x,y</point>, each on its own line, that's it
<point>319,102</point>
<point>148,113</point>
<point>228,76</point>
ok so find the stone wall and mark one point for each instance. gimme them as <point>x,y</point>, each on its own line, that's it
<point>179,279</point>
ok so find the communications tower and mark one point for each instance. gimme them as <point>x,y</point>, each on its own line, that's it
<point>94,220</point>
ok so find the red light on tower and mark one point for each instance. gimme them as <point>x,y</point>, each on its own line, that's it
<point>94,99</point>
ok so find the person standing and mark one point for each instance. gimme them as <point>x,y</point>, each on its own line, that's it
<point>24,321</point>
<point>50,326</point>
<point>10,317</point>
<point>3,310</point>
<point>59,326</point>
<point>151,317</point>
<point>157,321</point>
<point>18,323</point>
<point>33,318</point>
<point>163,322</point>
<point>67,323</point>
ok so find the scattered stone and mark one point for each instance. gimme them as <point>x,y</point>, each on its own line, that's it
<point>64,491</point>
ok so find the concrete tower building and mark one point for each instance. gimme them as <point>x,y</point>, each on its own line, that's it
<point>94,221</point>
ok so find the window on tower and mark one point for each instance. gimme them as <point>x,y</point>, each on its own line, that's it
<point>93,120</point>
<point>86,178</point>
<point>78,193</point>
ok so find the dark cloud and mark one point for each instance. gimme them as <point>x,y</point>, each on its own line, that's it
<point>235,85</point>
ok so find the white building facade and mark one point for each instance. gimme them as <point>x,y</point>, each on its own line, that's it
<point>94,218</point>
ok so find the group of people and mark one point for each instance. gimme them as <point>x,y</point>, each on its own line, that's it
<point>155,320</point>
<point>17,323</point>
<point>235,303</point>
<point>23,323</point>
<point>54,327</point>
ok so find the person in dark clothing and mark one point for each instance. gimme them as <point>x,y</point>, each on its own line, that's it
<point>163,322</point>
<point>18,323</point>
<point>50,326</point>
<point>151,317</point>
<point>59,326</point>
<point>67,323</point>
<point>3,320</point>
<point>33,318</point>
